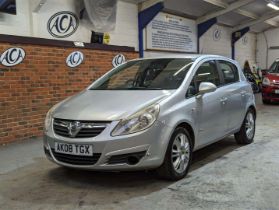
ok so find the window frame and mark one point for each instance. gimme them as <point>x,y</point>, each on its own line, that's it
<point>217,69</point>
<point>218,61</point>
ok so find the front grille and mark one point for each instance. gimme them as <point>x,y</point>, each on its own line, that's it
<point>273,95</point>
<point>76,159</point>
<point>87,129</point>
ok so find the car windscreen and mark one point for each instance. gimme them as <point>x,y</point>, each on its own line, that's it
<point>146,74</point>
<point>274,68</point>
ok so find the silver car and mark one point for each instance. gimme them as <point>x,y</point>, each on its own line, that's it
<point>152,114</point>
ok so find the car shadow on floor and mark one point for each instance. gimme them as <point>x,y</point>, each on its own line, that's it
<point>213,152</point>
<point>44,182</point>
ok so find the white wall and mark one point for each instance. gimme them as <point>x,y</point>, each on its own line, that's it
<point>219,47</point>
<point>29,23</point>
<point>246,50</point>
<point>16,24</point>
<point>126,31</point>
<point>222,46</point>
<point>265,40</point>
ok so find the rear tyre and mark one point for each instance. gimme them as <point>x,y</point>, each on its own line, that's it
<point>247,130</point>
<point>178,156</point>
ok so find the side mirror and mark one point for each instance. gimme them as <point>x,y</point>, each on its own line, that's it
<point>206,87</point>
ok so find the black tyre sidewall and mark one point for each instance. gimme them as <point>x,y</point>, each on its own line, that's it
<point>241,136</point>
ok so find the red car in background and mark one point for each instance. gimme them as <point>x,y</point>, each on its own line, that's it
<point>270,85</point>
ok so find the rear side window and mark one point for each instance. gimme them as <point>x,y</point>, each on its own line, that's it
<point>229,71</point>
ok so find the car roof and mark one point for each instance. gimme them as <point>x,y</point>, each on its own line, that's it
<point>188,56</point>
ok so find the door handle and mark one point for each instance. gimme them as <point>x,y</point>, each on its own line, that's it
<point>224,100</point>
<point>243,93</point>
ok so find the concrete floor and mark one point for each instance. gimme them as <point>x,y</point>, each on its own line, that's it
<point>223,176</point>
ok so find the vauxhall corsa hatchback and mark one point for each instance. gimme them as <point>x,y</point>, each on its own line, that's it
<point>152,114</point>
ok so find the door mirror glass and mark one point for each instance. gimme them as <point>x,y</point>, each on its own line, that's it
<point>206,87</point>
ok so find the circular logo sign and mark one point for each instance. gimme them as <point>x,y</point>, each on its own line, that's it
<point>118,60</point>
<point>12,56</point>
<point>62,24</point>
<point>74,59</point>
<point>245,40</point>
<point>217,34</point>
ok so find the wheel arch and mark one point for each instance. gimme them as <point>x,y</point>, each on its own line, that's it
<point>190,129</point>
<point>253,108</point>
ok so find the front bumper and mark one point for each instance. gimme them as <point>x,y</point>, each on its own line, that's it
<point>268,93</point>
<point>148,145</point>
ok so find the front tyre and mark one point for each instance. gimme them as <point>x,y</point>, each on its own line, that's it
<point>247,130</point>
<point>178,156</point>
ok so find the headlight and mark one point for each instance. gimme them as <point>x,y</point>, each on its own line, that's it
<point>137,122</point>
<point>49,115</point>
<point>266,81</point>
<point>49,118</point>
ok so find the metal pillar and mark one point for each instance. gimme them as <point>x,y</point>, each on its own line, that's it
<point>203,28</point>
<point>145,17</point>
<point>236,36</point>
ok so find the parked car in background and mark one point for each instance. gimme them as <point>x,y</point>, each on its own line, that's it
<point>152,114</point>
<point>270,86</point>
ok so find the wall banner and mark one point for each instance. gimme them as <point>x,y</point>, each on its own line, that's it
<point>12,56</point>
<point>172,33</point>
<point>118,60</point>
<point>62,24</point>
<point>74,59</point>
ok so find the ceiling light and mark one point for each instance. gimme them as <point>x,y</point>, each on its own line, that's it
<point>273,6</point>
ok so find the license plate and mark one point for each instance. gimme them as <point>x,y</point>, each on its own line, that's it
<point>74,149</point>
<point>277,91</point>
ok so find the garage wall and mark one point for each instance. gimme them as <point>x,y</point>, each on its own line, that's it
<point>265,41</point>
<point>29,89</point>
<point>222,46</point>
<point>126,31</point>
<point>9,24</point>
<point>34,24</point>
<point>245,49</point>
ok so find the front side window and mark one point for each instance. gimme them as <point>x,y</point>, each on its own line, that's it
<point>207,72</point>
<point>229,71</point>
<point>148,74</point>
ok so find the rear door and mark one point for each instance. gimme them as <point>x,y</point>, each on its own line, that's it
<point>234,92</point>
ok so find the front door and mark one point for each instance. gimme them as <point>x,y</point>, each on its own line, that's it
<point>209,111</point>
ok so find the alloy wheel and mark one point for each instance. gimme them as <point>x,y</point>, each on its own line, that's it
<point>250,125</point>
<point>180,153</point>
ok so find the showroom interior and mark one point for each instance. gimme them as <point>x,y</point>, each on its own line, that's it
<point>52,51</point>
